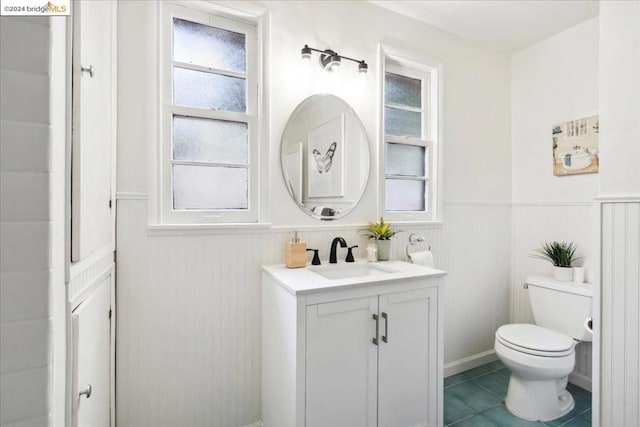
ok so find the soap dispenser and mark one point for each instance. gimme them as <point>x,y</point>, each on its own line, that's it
<point>295,252</point>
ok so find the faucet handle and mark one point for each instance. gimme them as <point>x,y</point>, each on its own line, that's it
<point>316,258</point>
<point>349,257</point>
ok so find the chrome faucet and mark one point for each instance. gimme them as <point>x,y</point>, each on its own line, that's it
<point>334,244</point>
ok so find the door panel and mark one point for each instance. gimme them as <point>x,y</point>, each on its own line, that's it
<point>93,131</point>
<point>341,364</point>
<point>91,358</point>
<point>407,375</point>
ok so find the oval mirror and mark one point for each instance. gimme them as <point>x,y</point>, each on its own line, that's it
<point>325,157</point>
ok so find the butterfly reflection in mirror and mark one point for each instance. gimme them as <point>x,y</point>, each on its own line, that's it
<point>324,161</point>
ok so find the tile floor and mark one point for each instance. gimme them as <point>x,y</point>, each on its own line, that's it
<point>476,398</point>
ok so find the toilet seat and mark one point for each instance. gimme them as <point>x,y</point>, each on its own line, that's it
<point>535,340</point>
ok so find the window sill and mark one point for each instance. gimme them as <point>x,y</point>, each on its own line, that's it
<point>206,229</point>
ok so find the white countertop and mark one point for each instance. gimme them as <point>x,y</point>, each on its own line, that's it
<point>304,280</point>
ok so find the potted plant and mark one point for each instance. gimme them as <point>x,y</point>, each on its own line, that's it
<point>382,233</point>
<point>561,255</point>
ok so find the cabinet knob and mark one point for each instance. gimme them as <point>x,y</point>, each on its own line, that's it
<point>86,391</point>
<point>89,70</point>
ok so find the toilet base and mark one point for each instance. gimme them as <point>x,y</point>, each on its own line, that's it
<point>538,400</point>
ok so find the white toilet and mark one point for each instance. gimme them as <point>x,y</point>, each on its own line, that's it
<point>541,357</point>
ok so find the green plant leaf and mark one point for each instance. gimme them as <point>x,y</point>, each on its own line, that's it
<point>379,230</point>
<point>560,254</point>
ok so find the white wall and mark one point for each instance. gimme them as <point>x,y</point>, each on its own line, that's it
<point>551,82</point>
<point>476,117</point>
<point>620,98</point>
<point>189,303</point>
<point>25,222</point>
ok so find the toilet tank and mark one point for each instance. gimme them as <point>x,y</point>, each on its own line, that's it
<point>561,306</point>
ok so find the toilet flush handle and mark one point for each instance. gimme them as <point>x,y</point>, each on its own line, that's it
<point>86,391</point>
<point>588,324</point>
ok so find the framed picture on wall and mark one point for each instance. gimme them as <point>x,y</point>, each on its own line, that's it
<point>325,159</point>
<point>575,146</point>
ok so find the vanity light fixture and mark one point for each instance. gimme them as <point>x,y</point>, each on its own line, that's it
<point>330,60</point>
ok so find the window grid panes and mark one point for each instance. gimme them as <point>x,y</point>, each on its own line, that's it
<point>406,143</point>
<point>210,153</point>
<point>208,46</point>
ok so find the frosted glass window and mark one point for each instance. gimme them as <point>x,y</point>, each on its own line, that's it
<point>403,90</point>
<point>208,140</point>
<point>211,115</point>
<point>404,195</point>
<point>208,46</point>
<point>405,159</point>
<point>402,123</point>
<point>210,187</point>
<point>411,145</point>
<point>206,90</point>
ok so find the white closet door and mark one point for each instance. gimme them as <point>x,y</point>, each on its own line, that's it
<point>93,159</point>
<point>407,375</point>
<point>341,364</point>
<point>91,359</point>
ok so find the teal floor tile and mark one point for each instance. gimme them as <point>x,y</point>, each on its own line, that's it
<point>493,382</point>
<point>495,365</point>
<point>476,421</point>
<point>503,418</point>
<point>574,389</point>
<point>454,379</point>
<point>577,422</point>
<point>562,420</point>
<point>474,396</point>
<point>454,409</point>
<point>476,372</point>
<point>504,372</point>
<point>583,403</point>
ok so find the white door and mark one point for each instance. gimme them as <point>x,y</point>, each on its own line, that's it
<point>407,373</point>
<point>91,359</point>
<point>341,363</point>
<point>92,208</point>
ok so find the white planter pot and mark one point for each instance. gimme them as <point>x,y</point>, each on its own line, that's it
<point>564,274</point>
<point>384,250</point>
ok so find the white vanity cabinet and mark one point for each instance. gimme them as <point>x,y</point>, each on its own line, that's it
<point>365,351</point>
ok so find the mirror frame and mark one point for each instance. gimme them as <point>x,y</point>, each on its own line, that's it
<point>298,153</point>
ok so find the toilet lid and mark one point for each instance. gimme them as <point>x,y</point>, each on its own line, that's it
<point>533,337</point>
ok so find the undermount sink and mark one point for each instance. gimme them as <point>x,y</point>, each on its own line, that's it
<point>350,271</point>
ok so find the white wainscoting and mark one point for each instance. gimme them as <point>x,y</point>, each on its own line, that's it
<point>189,346</point>
<point>534,224</point>
<point>620,330</point>
<point>476,292</point>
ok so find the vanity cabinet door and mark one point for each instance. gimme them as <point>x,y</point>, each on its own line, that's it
<point>91,386</point>
<point>341,363</point>
<point>407,378</point>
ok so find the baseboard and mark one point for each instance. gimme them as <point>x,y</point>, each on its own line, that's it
<point>470,362</point>
<point>580,380</point>
<point>485,357</point>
